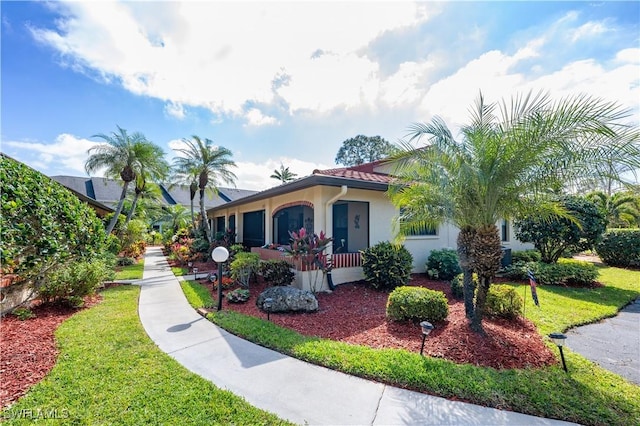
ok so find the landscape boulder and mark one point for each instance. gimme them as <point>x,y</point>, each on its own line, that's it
<point>288,299</point>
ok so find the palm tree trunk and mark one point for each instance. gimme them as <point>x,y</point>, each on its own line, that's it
<point>203,218</point>
<point>114,219</point>
<point>465,241</point>
<point>192,192</point>
<point>133,207</point>
<point>486,254</point>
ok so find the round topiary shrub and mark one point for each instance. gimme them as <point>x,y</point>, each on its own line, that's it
<point>503,301</point>
<point>443,264</point>
<point>386,266</point>
<point>620,247</point>
<point>417,304</point>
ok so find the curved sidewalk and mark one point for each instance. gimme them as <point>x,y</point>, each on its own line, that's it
<point>292,389</point>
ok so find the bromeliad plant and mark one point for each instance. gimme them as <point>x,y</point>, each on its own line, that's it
<point>307,249</point>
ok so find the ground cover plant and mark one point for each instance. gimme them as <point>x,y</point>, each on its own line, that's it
<point>115,375</point>
<point>373,349</point>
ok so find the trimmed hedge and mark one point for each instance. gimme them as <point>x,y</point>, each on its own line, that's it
<point>532,255</point>
<point>443,264</point>
<point>386,266</point>
<point>43,225</point>
<point>408,303</point>
<point>620,247</point>
<point>567,272</point>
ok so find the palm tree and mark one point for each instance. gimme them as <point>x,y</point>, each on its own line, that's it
<point>210,164</point>
<point>283,175</point>
<point>124,156</point>
<point>501,167</point>
<point>177,215</point>
<point>621,208</point>
<point>146,191</point>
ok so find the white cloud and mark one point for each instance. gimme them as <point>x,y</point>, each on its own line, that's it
<point>65,152</point>
<point>255,118</point>
<point>175,110</point>
<point>590,29</point>
<point>221,55</point>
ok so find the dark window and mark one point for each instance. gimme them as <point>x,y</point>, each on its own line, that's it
<point>504,230</point>
<point>220,224</point>
<point>253,229</point>
<point>419,232</point>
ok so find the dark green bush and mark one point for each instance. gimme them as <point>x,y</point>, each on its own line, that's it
<point>443,264</point>
<point>125,261</point>
<point>532,255</point>
<point>277,272</point>
<point>43,225</point>
<point>75,281</point>
<point>457,284</point>
<point>620,247</point>
<point>386,266</point>
<point>503,301</point>
<point>408,303</point>
<point>566,272</point>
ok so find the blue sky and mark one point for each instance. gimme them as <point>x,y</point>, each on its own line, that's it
<point>288,82</point>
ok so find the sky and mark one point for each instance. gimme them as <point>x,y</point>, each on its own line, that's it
<point>288,82</point>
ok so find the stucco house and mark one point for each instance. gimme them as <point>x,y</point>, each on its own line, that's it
<point>349,204</point>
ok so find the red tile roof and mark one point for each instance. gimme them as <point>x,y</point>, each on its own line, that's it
<point>363,172</point>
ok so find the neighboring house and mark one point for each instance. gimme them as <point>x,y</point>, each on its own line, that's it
<point>107,192</point>
<point>349,204</point>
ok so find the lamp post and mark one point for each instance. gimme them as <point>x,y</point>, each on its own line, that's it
<point>558,339</point>
<point>426,327</point>
<point>267,305</point>
<point>220,255</point>
<point>195,273</point>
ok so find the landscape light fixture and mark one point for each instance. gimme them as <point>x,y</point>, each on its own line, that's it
<point>558,339</point>
<point>267,305</point>
<point>220,255</point>
<point>426,327</point>
<point>189,264</point>
<point>195,273</point>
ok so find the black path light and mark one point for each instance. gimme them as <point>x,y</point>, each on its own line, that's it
<point>426,327</point>
<point>220,255</point>
<point>558,339</point>
<point>195,273</point>
<point>267,305</point>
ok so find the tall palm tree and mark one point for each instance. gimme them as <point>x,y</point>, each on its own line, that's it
<point>507,157</point>
<point>211,164</point>
<point>176,215</point>
<point>284,174</point>
<point>123,156</point>
<point>143,190</point>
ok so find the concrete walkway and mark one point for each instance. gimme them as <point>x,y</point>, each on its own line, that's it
<point>294,390</point>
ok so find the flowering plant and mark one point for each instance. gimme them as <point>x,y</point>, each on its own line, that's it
<point>308,248</point>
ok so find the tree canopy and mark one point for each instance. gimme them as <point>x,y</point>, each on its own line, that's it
<point>364,149</point>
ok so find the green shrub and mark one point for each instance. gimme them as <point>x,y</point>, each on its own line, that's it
<point>443,264</point>
<point>239,295</point>
<point>125,261</point>
<point>75,281</point>
<point>567,272</point>
<point>408,303</point>
<point>532,255</point>
<point>23,314</point>
<point>620,247</point>
<point>386,266</point>
<point>503,301</point>
<point>457,285</point>
<point>277,272</point>
<point>244,266</point>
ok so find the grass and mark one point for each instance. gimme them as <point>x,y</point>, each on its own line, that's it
<point>179,271</point>
<point>110,372</point>
<point>197,295</point>
<point>588,395</point>
<point>130,272</point>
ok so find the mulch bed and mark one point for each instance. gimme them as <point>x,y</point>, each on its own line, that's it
<point>28,351</point>
<point>355,313</point>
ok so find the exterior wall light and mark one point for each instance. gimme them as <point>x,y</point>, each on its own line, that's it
<point>220,255</point>
<point>426,327</point>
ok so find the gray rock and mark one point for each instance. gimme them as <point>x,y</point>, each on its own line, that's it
<point>288,299</point>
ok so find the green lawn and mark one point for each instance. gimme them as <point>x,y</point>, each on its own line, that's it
<point>588,395</point>
<point>110,372</point>
<point>131,272</point>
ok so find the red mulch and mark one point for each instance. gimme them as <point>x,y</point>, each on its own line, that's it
<point>28,351</point>
<point>355,313</point>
